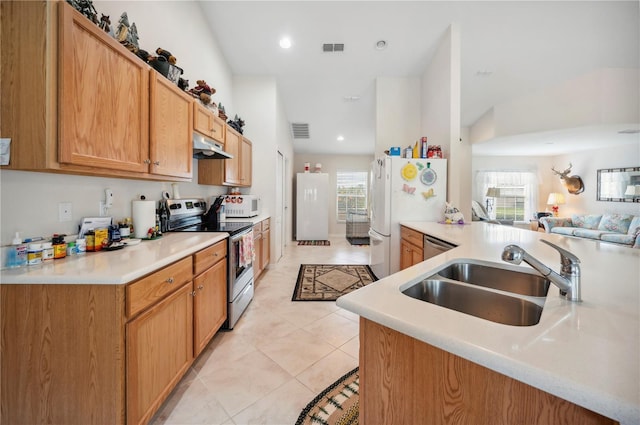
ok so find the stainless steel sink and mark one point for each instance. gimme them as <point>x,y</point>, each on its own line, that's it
<point>477,302</point>
<point>497,278</point>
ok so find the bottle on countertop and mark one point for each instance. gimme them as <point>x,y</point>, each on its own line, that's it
<point>17,253</point>
<point>34,254</point>
<point>59,247</point>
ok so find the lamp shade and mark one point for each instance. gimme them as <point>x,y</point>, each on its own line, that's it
<point>632,190</point>
<point>493,192</point>
<point>555,199</point>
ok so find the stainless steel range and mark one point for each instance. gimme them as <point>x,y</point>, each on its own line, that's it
<point>190,215</point>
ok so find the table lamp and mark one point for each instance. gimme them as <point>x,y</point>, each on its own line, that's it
<point>554,200</point>
<point>492,192</point>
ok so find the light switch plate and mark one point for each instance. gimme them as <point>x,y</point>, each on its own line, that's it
<point>64,211</point>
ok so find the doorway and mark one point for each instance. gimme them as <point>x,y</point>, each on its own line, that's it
<point>280,207</point>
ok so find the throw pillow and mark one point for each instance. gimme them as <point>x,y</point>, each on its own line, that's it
<point>618,223</point>
<point>586,221</point>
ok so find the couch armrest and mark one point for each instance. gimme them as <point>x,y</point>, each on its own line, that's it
<point>550,222</point>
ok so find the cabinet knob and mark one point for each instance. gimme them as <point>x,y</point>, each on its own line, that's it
<point>170,280</point>
<point>201,287</point>
<point>156,162</point>
<point>214,130</point>
<point>147,161</point>
<point>193,293</point>
<point>215,254</point>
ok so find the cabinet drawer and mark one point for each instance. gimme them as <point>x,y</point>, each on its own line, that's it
<point>266,224</point>
<point>209,256</point>
<point>257,229</point>
<point>411,235</point>
<point>151,289</point>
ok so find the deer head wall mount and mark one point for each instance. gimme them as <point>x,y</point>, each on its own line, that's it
<point>573,184</point>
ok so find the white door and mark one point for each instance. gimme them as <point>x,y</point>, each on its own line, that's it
<point>379,196</point>
<point>312,211</point>
<point>278,231</point>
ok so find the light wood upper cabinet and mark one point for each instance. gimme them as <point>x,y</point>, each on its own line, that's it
<point>74,100</point>
<point>229,172</point>
<point>206,123</point>
<point>171,128</point>
<point>103,98</point>
<point>246,160</point>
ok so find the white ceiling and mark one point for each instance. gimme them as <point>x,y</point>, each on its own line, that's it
<point>527,46</point>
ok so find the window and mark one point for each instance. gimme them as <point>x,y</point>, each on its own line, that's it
<point>508,195</point>
<point>351,193</point>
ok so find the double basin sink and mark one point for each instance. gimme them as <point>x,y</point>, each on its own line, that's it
<point>485,290</point>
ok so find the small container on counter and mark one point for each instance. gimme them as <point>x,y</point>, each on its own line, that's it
<point>59,247</point>
<point>101,239</point>
<point>34,254</point>
<point>47,251</point>
<point>71,248</point>
<point>81,245</point>
<point>90,238</point>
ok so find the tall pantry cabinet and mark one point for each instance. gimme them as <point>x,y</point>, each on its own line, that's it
<point>74,100</point>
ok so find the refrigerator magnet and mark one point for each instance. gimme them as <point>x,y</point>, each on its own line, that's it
<point>429,194</point>
<point>409,189</point>
<point>409,172</point>
<point>428,176</point>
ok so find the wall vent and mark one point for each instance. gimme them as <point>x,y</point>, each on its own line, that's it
<point>335,47</point>
<point>300,130</point>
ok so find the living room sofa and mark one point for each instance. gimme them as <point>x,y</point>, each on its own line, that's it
<point>623,229</point>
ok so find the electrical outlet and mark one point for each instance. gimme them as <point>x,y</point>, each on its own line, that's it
<point>64,211</point>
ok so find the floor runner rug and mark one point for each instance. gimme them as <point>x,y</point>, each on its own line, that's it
<point>327,282</point>
<point>314,243</point>
<point>336,405</point>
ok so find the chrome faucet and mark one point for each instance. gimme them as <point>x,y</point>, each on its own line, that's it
<point>569,278</point>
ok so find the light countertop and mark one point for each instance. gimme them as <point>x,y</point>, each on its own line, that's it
<point>114,267</point>
<point>586,353</point>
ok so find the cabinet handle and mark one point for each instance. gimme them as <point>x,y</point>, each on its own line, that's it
<point>193,293</point>
<point>170,280</point>
<point>214,130</point>
<point>201,287</point>
<point>147,161</point>
<point>156,162</point>
<point>215,254</point>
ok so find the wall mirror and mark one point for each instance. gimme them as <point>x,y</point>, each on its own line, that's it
<point>619,184</point>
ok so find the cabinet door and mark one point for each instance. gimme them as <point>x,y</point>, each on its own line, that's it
<point>159,350</point>
<point>232,166</point>
<point>205,122</point>
<point>246,160</point>
<point>103,98</point>
<point>258,247</point>
<point>409,254</point>
<point>171,128</point>
<point>209,305</point>
<point>266,248</point>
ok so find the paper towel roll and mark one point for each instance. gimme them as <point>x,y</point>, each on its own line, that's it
<point>144,217</point>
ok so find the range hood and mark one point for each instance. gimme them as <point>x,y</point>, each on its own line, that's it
<point>204,148</point>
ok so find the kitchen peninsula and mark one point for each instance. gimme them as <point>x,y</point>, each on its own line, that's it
<point>584,353</point>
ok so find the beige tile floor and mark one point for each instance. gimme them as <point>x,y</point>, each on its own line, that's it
<point>279,355</point>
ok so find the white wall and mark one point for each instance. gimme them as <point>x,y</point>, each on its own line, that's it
<point>29,201</point>
<point>397,113</point>
<point>284,144</point>
<point>330,165</point>
<point>440,117</point>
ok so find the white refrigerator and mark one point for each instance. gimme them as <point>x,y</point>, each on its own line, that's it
<point>402,189</point>
<point>312,206</point>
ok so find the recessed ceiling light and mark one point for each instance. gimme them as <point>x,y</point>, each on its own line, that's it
<point>351,98</point>
<point>484,73</point>
<point>381,45</point>
<point>285,42</point>
<point>340,138</point>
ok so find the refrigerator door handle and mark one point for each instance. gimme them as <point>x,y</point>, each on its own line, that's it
<point>375,235</point>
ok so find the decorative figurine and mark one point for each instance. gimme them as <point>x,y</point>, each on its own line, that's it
<point>237,124</point>
<point>221,112</point>
<point>105,25</point>
<point>127,34</point>
<point>86,8</point>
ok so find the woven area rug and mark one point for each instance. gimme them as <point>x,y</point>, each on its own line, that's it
<point>327,282</point>
<point>314,243</point>
<point>336,405</point>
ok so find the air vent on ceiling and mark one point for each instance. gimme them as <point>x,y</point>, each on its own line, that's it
<point>336,47</point>
<point>300,130</point>
<point>629,131</point>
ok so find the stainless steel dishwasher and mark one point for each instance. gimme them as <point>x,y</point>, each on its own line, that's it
<point>434,246</point>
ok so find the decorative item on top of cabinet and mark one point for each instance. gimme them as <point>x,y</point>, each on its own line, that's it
<point>411,247</point>
<point>60,54</point>
<point>229,172</point>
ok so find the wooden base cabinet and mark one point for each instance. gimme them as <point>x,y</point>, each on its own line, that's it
<point>262,246</point>
<point>406,381</point>
<point>159,352</point>
<point>95,101</point>
<point>107,354</point>
<point>411,247</point>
